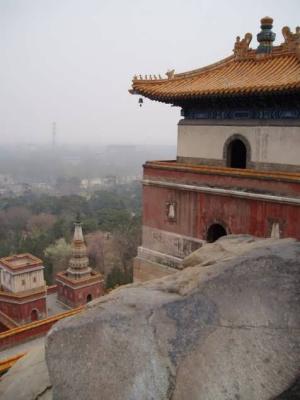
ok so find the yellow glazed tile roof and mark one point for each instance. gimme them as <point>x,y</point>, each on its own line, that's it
<point>245,72</point>
<point>274,74</point>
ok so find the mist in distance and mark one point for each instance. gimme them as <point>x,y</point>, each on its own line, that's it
<point>72,61</point>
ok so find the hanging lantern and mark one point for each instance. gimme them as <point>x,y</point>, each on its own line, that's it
<point>141,101</point>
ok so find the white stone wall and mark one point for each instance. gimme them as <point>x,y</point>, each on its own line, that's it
<point>6,280</point>
<point>269,144</point>
<point>166,247</point>
<point>22,281</point>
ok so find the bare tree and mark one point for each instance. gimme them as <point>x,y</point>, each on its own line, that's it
<point>95,246</point>
<point>40,223</point>
<point>16,218</point>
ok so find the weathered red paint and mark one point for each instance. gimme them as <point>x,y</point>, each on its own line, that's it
<point>75,297</point>
<point>31,331</point>
<point>197,211</point>
<point>3,328</point>
<point>21,312</point>
<point>51,289</point>
<point>256,183</point>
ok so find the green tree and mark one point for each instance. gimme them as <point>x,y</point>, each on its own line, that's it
<point>106,200</point>
<point>118,277</point>
<point>112,219</point>
<point>57,256</point>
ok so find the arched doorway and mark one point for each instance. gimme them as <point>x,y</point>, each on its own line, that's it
<point>236,154</point>
<point>34,315</point>
<point>214,232</point>
<point>89,298</point>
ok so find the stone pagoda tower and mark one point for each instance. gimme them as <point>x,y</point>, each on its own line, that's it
<point>238,151</point>
<point>79,284</point>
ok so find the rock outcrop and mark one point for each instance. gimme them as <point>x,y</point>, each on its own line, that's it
<point>28,379</point>
<point>226,328</point>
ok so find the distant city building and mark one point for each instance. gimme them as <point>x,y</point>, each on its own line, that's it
<point>23,288</point>
<point>79,284</point>
<point>238,155</point>
<point>6,179</point>
<point>107,182</point>
<point>110,180</point>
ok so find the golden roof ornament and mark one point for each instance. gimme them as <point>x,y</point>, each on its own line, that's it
<point>241,47</point>
<point>244,77</point>
<point>291,40</point>
<point>170,74</point>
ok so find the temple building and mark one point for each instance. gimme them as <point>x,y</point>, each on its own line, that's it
<point>238,151</point>
<point>23,290</point>
<point>79,284</point>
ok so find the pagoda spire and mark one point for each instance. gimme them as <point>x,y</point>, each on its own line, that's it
<point>78,234</point>
<point>79,284</point>
<point>79,262</point>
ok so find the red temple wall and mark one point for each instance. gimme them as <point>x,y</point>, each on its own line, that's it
<point>197,211</point>
<point>3,328</point>
<point>15,336</point>
<point>25,335</point>
<point>51,289</point>
<point>75,297</point>
<point>257,184</point>
<point>22,312</point>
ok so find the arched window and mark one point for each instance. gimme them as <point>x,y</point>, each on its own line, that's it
<point>237,152</point>
<point>214,232</point>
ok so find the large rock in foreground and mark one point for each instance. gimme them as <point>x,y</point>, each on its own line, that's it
<point>28,379</point>
<point>228,330</point>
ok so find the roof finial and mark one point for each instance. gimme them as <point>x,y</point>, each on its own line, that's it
<point>265,37</point>
<point>78,235</point>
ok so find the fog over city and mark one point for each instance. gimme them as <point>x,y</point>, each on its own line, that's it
<point>72,61</point>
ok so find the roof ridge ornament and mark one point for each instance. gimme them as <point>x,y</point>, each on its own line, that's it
<point>245,70</point>
<point>265,37</point>
<point>170,73</point>
<point>291,40</point>
<point>151,77</point>
<point>241,47</point>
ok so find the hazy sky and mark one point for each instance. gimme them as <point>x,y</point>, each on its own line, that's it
<point>72,61</point>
